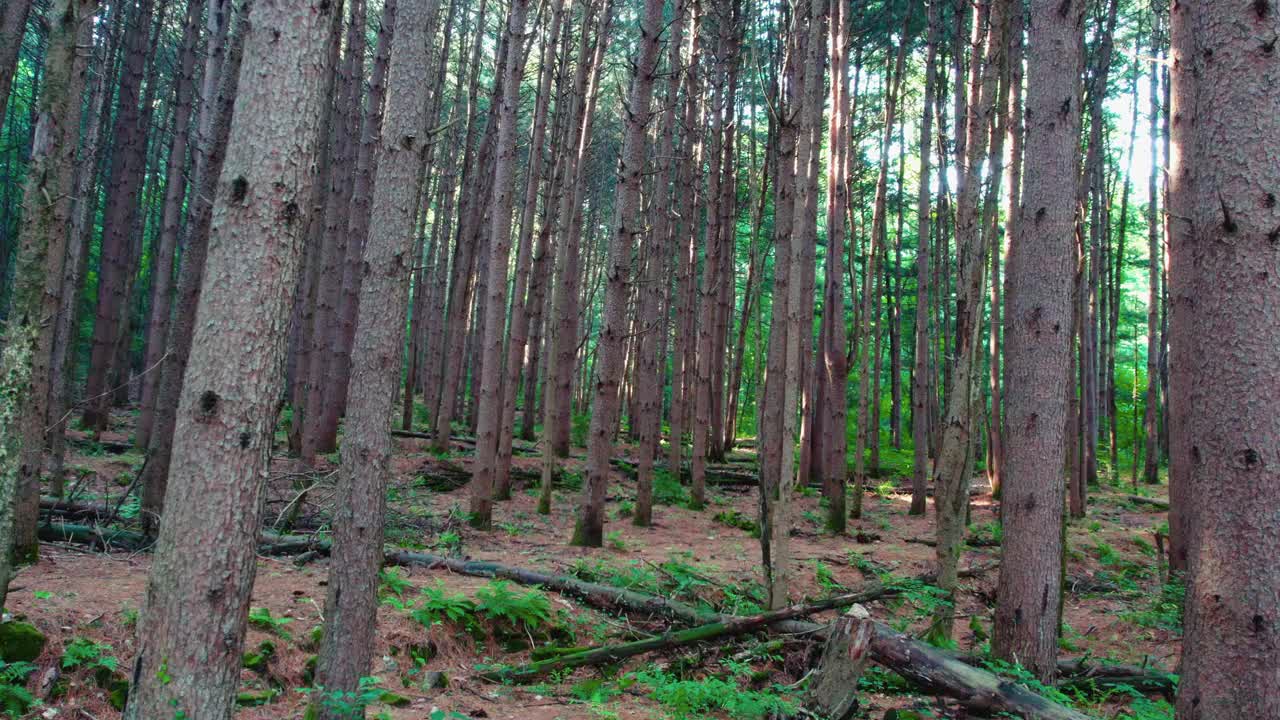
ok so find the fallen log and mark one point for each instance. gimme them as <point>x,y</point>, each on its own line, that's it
<point>730,626</point>
<point>1156,503</point>
<point>943,674</point>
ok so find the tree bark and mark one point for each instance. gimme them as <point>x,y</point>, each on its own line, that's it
<point>1224,286</point>
<point>193,625</point>
<point>1038,347</point>
<point>124,184</point>
<point>13,26</point>
<point>347,646</point>
<point>490,391</point>
<point>589,530</point>
<point>36,297</point>
<point>211,152</point>
<point>921,376</point>
<point>170,224</point>
<point>951,475</point>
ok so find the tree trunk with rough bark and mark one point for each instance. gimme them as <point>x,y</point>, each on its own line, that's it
<point>1038,346</point>
<point>490,390</point>
<point>951,474</point>
<point>171,220</point>
<point>193,623</point>
<point>347,645</point>
<point>589,530</point>
<point>38,287</point>
<point>921,383</point>
<point>1225,290</point>
<point>211,152</point>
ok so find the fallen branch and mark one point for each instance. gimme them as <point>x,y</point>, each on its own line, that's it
<point>730,626</point>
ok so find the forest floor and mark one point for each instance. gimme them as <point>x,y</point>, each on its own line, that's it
<point>1118,607</point>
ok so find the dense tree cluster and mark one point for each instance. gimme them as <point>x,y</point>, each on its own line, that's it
<point>1030,244</point>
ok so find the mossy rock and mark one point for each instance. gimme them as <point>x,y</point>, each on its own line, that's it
<point>394,700</point>
<point>254,698</point>
<point>20,642</point>
<point>434,680</point>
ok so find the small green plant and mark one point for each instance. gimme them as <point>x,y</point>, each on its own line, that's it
<point>885,489</point>
<point>988,534</point>
<point>825,578</point>
<point>1164,611</point>
<point>15,700</point>
<point>687,699</point>
<point>348,704</point>
<point>438,605</point>
<point>262,619</point>
<point>667,489</point>
<point>616,541</point>
<point>579,426</point>
<point>85,653</point>
<point>1107,555</point>
<point>449,541</point>
<point>501,603</point>
<point>391,582</point>
<point>739,520</point>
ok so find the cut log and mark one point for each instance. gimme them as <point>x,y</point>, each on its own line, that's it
<point>844,657</point>
<point>730,626</point>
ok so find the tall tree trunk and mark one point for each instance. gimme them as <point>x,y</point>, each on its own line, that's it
<point>1038,346</point>
<point>13,26</point>
<point>589,530</point>
<point>211,151</point>
<point>84,208</point>
<point>955,454</point>
<point>192,629</point>
<point>868,345</point>
<point>490,393</point>
<point>921,383</point>
<point>38,287</point>
<point>170,224</point>
<point>1151,417</point>
<point>834,371</point>
<point>1225,332</point>
<point>347,646</point>
<point>128,158</point>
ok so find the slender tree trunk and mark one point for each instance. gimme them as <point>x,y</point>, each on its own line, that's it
<point>1038,347</point>
<point>123,187</point>
<point>170,224</point>
<point>215,124</point>
<point>193,625</point>
<point>348,642</point>
<point>658,247</point>
<point>38,287</point>
<point>563,341</point>
<point>959,424</point>
<point>490,393</point>
<point>520,311</point>
<point>835,369</point>
<point>13,26</point>
<point>1225,332</point>
<point>589,530</point>
<point>868,346</point>
<point>1151,418</point>
<point>921,384</point>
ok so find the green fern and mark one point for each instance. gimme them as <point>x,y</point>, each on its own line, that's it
<point>501,603</point>
<point>85,653</point>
